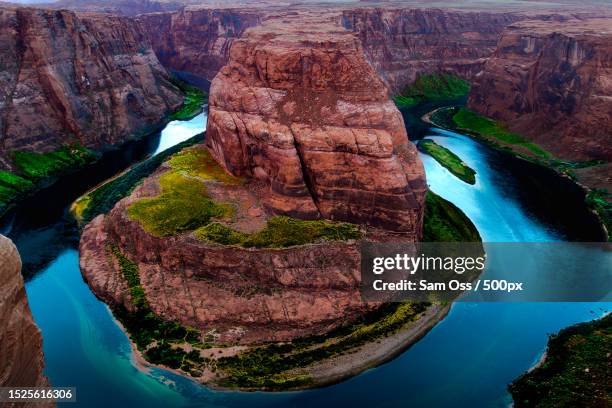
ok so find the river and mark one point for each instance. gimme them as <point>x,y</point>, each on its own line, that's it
<point>466,360</point>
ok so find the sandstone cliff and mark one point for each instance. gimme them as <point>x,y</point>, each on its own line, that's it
<point>552,82</point>
<point>196,40</point>
<point>67,78</point>
<point>21,357</point>
<point>402,43</point>
<point>300,107</point>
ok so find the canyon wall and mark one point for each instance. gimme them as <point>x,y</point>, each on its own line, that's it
<point>402,43</point>
<point>299,107</point>
<point>196,40</point>
<point>21,356</point>
<point>552,82</point>
<point>66,78</point>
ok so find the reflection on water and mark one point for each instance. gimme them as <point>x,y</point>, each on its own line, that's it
<point>466,360</point>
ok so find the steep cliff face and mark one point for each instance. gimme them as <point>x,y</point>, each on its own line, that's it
<point>553,83</point>
<point>21,358</point>
<point>196,40</point>
<point>67,78</point>
<point>402,43</point>
<point>299,107</point>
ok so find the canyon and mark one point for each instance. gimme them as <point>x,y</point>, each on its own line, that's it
<point>21,360</point>
<point>68,78</point>
<point>552,82</point>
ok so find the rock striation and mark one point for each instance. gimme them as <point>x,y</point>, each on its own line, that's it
<point>299,107</point>
<point>553,83</point>
<point>237,295</point>
<point>197,40</point>
<point>21,359</point>
<point>404,42</point>
<point>68,78</point>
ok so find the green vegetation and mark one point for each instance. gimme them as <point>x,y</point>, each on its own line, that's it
<point>281,232</point>
<point>182,206</point>
<point>575,372</point>
<point>432,87</point>
<point>102,199</point>
<point>192,104</point>
<point>200,163</point>
<point>36,166</point>
<point>32,169</point>
<point>449,160</point>
<point>444,222</point>
<point>12,187</point>
<point>267,366</point>
<point>161,341</point>
<point>597,199</point>
<point>472,122</point>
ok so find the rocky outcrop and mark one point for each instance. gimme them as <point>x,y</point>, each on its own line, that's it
<point>553,83</point>
<point>299,107</point>
<point>238,294</point>
<point>21,359</point>
<point>403,43</point>
<point>67,78</point>
<point>197,40</point>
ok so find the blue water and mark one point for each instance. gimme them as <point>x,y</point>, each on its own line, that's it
<point>178,131</point>
<point>466,360</point>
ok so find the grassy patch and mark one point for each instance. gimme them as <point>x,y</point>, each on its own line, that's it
<point>182,206</point>
<point>466,119</point>
<point>444,222</point>
<point>281,232</point>
<point>575,373</point>
<point>192,104</point>
<point>33,168</point>
<point>432,87</point>
<point>267,366</point>
<point>36,166</point>
<point>449,160</point>
<point>198,162</point>
<point>103,199</point>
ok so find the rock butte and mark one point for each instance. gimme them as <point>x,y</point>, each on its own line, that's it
<point>21,359</point>
<point>299,107</point>
<point>308,123</point>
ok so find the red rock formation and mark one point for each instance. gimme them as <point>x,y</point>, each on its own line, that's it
<point>553,82</point>
<point>402,43</point>
<point>299,107</point>
<point>245,295</point>
<point>68,78</point>
<point>21,356</point>
<point>196,40</point>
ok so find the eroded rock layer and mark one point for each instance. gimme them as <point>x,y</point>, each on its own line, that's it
<point>553,82</point>
<point>67,78</point>
<point>403,43</point>
<point>21,356</point>
<point>299,107</point>
<point>236,294</point>
<point>196,40</point>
